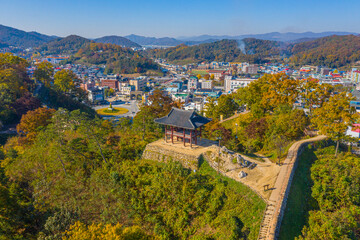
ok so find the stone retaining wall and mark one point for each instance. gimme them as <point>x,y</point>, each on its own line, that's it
<point>286,191</point>
<point>281,202</point>
<point>163,155</point>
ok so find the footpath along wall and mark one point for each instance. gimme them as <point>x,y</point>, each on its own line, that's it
<point>277,203</point>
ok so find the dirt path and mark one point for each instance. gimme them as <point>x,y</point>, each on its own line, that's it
<point>265,173</point>
<point>234,116</point>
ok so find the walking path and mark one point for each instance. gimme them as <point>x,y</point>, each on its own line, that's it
<point>234,116</point>
<point>276,205</point>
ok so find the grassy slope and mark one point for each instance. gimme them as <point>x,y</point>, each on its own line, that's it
<point>298,204</point>
<point>252,214</point>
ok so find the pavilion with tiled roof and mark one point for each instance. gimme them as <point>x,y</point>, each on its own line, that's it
<point>183,124</point>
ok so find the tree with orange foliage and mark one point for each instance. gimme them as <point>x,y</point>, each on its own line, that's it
<point>32,122</point>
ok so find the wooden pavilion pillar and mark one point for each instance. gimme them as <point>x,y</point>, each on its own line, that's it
<point>191,138</point>
<point>196,136</point>
<point>165,133</point>
<point>184,136</point>
<point>172,134</point>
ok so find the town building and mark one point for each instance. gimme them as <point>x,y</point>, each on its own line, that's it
<point>193,83</point>
<point>325,71</point>
<point>96,94</point>
<point>250,69</point>
<point>138,83</point>
<point>114,84</point>
<point>126,89</point>
<point>218,74</point>
<point>232,85</point>
<point>207,84</point>
<point>355,76</point>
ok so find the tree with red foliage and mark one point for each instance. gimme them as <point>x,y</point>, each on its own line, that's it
<point>26,103</point>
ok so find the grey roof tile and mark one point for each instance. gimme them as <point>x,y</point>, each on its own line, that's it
<point>183,119</point>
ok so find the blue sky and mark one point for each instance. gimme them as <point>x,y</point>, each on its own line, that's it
<point>90,18</point>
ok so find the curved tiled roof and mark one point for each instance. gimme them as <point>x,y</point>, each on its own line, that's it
<point>183,119</point>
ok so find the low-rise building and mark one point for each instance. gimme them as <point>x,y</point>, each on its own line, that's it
<point>138,83</point>
<point>193,83</point>
<point>250,69</point>
<point>218,74</point>
<point>207,84</point>
<point>96,94</point>
<point>182,97</point>
<point>114,84</point>
<point>126,89</point>
<point>232,85</point>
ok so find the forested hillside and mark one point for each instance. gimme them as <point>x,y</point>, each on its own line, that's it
<point>69,45</point>
<point>69,175</point>
<point>3,45</point>
<point>19,38</point>
<point>250,49</point>
<point>324,199</point>
<point>116,58</point>
<point>15,88</point>
<point>333,51</point>
<point>121,41</point>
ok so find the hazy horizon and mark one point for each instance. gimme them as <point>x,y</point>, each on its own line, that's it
<point>93,19</point>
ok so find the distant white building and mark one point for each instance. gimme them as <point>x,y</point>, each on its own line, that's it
<point>354,76</point>
<point>126,89</point>
<point>193,83</point>
<point>207,84</point>
<point>232,85</point>
<point>197,104</point>
<point>354,131</point>
<point>96,94</point>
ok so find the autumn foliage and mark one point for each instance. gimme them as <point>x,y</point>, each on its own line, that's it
<point>33,121</point>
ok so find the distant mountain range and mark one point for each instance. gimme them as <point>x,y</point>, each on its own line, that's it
<point>332,51</point>
<point>3,45</point>
<point>121,41</point>
<point>19,38</point>
<point>273,36</point>
<point>68,45</point>
<point>152,41</point>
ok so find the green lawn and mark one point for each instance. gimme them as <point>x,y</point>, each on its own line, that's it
<point>299,201</point>
<point>116,111</point>
<point>201,72</point>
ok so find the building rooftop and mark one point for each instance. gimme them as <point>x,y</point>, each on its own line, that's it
<point>183,119</point>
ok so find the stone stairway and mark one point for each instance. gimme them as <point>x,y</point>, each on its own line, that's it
<point>266,221</point>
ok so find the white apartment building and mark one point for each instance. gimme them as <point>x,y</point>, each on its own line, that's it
<point>231,85</point>
<point>207,84</point>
